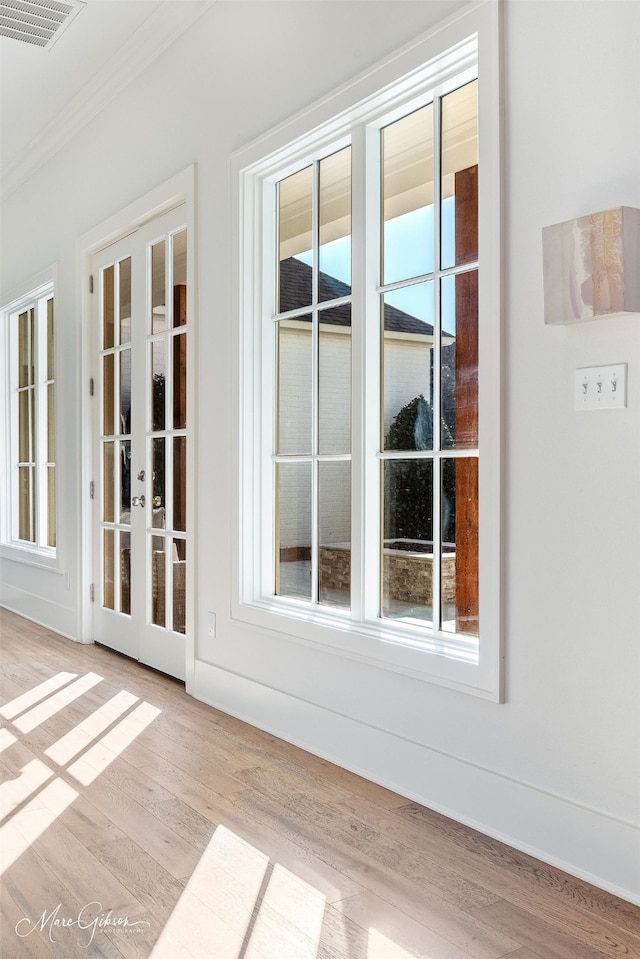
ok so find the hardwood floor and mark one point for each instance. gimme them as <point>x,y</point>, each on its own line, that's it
<point>209,839</point>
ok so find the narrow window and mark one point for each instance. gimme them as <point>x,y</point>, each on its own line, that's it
<point>31,440</point>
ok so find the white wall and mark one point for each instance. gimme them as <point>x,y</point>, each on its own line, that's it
<point>557,768</point>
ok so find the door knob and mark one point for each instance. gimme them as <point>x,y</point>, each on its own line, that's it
<point>137,500</point>
<point>141,476</point>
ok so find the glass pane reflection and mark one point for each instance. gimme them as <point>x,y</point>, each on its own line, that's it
<point>293,528</point>
<point>158,288</point>
<point>294,385</point>
<point>335,226</point>
<point>125,573</point>
<point>179,584</point>
<point>460,581</point>
<point>407,188</point>
<point>407,589</point>
<point>460,175</point>
<point>460,361</point>
<point>334,530</point>
<point>334,380</point>
<point>407,368</point>
<point>295,240</point>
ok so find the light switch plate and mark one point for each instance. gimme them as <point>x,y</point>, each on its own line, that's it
<point>601,387</point>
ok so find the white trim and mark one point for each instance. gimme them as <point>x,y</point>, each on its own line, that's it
<point>52,616</point>
<point>582,840</point>
<point>398,85</point>
<point>179,189</point>
<point>158,32</point>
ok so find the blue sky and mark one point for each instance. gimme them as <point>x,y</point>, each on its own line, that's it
<point>408,252</point>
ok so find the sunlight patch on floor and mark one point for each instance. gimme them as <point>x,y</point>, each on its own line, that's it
<point>90,728</point>
<point>6,739</point>
<point>379,947</point>
<point>98,757</point>
<point>17,835</point>
<point>39,714</point>
<point>289,921</point>
<point>15,706</point>
<point>15,791</point>
<point>226,882</point>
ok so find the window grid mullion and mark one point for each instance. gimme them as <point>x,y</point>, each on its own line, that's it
<point>436,478</point>
<point>315,379</point>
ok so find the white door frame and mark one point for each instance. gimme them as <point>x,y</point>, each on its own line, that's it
<point>180,189</point>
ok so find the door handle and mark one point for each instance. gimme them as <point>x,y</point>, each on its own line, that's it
<point>137,500</point>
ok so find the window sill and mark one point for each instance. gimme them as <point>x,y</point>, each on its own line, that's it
<point>31,556</point>
<point>439,658</point>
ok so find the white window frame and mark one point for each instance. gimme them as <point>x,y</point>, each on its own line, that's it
<point>465,46</point>
<point>38,553</point>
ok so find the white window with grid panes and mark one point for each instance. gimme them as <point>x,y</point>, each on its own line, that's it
<point>29,520</point>
<point>370,344</point>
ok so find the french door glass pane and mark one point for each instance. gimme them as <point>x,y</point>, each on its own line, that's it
<point>179,584</point>
<point>295,232</point>
<point>460,602</point>
<point>459,217</point>
<point>108,393</point>
<point>334,532</point>
<point>108,482</point>
<point>125,481</point>
<point>293,529</point>
<point>124,419</point>
<point>335,226</point>
<point>295,385</point>
<point>125,300</point>
<point>460,361</point>
<point>125,572</point>
<point>158,288</point>
<point>407,580</point>
<point>180,483</point>
<point>50,341</point>
<point>407,368</point>
<point>158,382</point>
<point>180,382</point>
<point>108,280</point>
<point>334,380</point>
<point>108,566</point>
<point>180,278</point>
<point>158,459</point>
<point>407,196</point>
<point>158,580</point>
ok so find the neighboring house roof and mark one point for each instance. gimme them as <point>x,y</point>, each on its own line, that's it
<point>295,291</point>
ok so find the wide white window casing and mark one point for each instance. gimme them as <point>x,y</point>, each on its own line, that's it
<point>463,54</point>
<point>29,516</point>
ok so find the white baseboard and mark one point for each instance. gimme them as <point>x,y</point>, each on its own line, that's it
<point>583,841</point>
<point>45,613</point>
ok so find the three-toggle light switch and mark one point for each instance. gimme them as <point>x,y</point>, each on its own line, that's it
<point>601,387</point>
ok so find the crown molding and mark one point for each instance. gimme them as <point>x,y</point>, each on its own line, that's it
<point>161,29</point>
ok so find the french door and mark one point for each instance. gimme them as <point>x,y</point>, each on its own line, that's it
<point>140,444</point>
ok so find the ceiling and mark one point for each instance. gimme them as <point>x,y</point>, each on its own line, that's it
<point>41,89</point>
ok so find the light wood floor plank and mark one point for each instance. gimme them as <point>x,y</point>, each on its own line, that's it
<point>342,868</point>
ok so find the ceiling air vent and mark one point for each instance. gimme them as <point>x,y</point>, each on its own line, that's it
<point>39,22</point>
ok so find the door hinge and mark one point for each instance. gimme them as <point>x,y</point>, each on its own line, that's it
<point>91,386</point>
<point>92,593</point>
<point>91,284</point>
<point>91,489</point>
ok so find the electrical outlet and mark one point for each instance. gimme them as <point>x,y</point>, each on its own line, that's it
<point>601,387</point>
